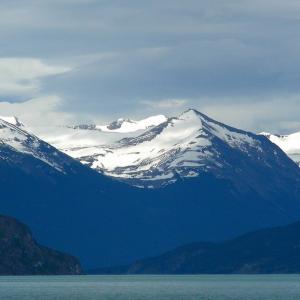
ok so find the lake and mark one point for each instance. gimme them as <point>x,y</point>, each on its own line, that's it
<point>203,287</point>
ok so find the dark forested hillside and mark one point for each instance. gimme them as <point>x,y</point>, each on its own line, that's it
<point>21,255</point>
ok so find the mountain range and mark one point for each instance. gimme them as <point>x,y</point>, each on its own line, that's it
<point>184,179</point>
<point>155,151</point>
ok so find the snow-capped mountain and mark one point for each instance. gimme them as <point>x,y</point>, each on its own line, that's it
<point>182,146</point>
<point>290,144</point>
<point>225,182</point>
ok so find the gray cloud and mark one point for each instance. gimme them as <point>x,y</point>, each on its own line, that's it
<point>125,55</point>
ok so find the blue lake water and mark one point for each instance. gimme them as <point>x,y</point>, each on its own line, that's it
<point>275,287</point>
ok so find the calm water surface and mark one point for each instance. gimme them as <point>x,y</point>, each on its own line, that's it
<point>270,287</point>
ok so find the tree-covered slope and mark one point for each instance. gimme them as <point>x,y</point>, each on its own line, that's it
<point>20,254</point>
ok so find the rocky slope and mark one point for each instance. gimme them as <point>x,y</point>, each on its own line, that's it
<point>21,255</point>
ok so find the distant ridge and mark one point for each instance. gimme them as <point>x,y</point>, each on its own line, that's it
<point>266,251</point>
<point>124,125</point>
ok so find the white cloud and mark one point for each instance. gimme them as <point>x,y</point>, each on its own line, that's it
<point>21,76</point>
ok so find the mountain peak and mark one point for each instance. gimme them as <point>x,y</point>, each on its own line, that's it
<point>192,113</point>
<point>189,113</point>
<point>193,110</point>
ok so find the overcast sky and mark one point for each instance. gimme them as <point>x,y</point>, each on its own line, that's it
<point>95,60</point>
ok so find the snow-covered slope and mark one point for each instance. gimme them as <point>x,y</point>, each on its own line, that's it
<point>69,138</point>
<point>15,140</point>
<point>290,144</point>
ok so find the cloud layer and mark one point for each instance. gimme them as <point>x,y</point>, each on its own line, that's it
<point>237,60</point>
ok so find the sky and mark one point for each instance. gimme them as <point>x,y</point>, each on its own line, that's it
<point>75,61</point>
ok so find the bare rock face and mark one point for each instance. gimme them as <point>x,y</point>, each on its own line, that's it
<point>20,254</point>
